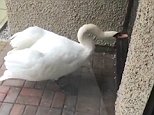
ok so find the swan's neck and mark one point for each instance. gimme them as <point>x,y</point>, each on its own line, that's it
<point>91,28</point>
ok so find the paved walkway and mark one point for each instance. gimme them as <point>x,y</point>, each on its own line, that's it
<point>78,95</point>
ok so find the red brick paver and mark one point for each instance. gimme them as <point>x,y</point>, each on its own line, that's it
<point>12,95</point>
<point>29,84</point>
<point>41,84</point>
<point>13,82</point>
<point>70,103</point>
<point>48,111</point>
<point>2,96</point>
<point>47,98</point>
<point>31,92</point>
<point>4,89</point>
<point>79,96</point>
<point>58,100</point>
<point>30,110</point>
<point>28,100</point>
<point>65,112</point>
<point>17,109</point>
<point>5,108</point>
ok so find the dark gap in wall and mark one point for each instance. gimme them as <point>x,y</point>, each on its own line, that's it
<point>122,45</point>
<point>149,109</point>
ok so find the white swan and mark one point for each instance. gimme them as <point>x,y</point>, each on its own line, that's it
<point>39,54</point>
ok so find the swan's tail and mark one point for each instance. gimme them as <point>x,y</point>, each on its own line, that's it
<point>26,38</point>
<point>6,75</point>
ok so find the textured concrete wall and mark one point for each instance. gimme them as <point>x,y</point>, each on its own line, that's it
<point>138,76</point>
<point>66,16</point>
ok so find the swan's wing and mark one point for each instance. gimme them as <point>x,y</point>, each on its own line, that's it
<point>65,58</point>
<point>26,38</point>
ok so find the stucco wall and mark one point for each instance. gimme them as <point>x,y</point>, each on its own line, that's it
<point>66,16</point>
<point>138,76</point>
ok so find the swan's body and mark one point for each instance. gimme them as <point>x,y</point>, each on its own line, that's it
<point>39,54</point>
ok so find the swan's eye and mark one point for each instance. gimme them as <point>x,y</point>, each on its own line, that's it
<point>121,35</point>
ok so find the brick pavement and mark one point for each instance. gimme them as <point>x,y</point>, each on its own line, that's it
<point>78,95</point>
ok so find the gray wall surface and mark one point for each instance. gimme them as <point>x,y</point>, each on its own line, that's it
<point>64,17</point>
<point>138,76</point>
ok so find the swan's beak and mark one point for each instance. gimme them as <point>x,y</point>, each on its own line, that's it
<point>121,35</point>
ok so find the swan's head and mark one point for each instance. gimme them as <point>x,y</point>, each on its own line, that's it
<point>121,35</point>
<point>94,29</point>
<point>117,35</point>
<point>91,28</point>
